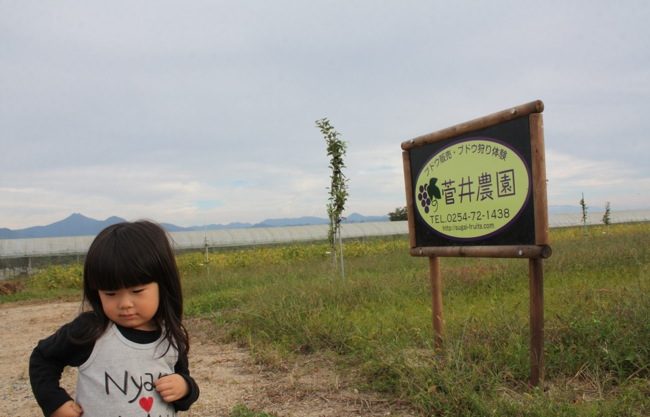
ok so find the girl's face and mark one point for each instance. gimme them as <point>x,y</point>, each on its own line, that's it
<point>132,307</point>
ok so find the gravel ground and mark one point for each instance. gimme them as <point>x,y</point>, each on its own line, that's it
<point>225,373</point>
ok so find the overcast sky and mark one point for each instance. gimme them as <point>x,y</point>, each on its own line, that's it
<point>199,112</point>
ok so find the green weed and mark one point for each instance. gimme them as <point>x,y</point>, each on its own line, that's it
<point>287,300</point>
<point>243,411</point>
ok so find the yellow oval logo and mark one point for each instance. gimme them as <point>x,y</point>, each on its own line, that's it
<point>472,188</point>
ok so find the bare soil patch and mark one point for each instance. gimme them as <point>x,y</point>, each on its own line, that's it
<point>226,373</point>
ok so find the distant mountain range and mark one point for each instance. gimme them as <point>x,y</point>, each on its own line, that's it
<point>80,225</point>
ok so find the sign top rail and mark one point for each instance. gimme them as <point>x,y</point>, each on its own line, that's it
<point>536,106</point>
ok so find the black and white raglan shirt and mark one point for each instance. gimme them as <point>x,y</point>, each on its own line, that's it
<point>116,373</point>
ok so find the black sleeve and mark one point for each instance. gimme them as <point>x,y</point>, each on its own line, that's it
<point>182,368</point>
<point>48,359</point>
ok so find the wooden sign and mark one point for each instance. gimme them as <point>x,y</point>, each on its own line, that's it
<point>479,189</point>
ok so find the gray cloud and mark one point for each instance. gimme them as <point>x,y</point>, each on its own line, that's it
<point>203,112</point>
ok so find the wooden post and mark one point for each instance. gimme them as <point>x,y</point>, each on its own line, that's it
<point>536,270</point>
<point>410,209</point>
<point>536,283</point>
<point>539,178</point>
<point>436,298</point>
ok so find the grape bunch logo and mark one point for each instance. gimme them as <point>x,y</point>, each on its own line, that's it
<point>429,194</point>
<point>472,188</point>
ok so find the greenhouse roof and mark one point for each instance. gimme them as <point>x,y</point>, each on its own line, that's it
<point>78,245</point>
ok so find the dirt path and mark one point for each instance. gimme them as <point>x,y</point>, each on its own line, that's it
<point>226,374</point>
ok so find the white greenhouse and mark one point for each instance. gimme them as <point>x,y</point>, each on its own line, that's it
<point>78,245</point>
<point>18,256</point>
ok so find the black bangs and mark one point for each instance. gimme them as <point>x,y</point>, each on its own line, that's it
<point>127,259</point>
<point>129,254</point>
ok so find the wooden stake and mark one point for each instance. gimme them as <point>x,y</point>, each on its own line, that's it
<point>436,298</point>
<point>539,178</point>
<point>536,283</point>
<point>410,208</point>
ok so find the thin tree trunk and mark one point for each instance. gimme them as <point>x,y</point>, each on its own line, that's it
<point>341,250</point>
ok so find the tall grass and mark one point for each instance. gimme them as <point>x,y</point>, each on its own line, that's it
<point>287,300</point>
<point>378,322</point>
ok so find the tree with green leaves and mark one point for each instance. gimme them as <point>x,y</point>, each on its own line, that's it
<point>338,188</point>
<point>583,208</point>
<point>607,215</point>
<point>400,213</point>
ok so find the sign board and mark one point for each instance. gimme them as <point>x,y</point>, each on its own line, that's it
<point>473,184</point>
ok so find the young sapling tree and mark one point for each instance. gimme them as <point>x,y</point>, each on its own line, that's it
<point>338,188</point>
<point>583,208</point>
<point>607,215</point>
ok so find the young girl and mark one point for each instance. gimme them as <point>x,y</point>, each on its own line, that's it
<point>131,346</point>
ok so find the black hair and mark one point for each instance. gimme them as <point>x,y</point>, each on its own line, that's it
<point>129,254</point>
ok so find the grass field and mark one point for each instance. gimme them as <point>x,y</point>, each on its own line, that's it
<point>284,301</point>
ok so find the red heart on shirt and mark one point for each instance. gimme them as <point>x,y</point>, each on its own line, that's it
<point>146,403</point>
